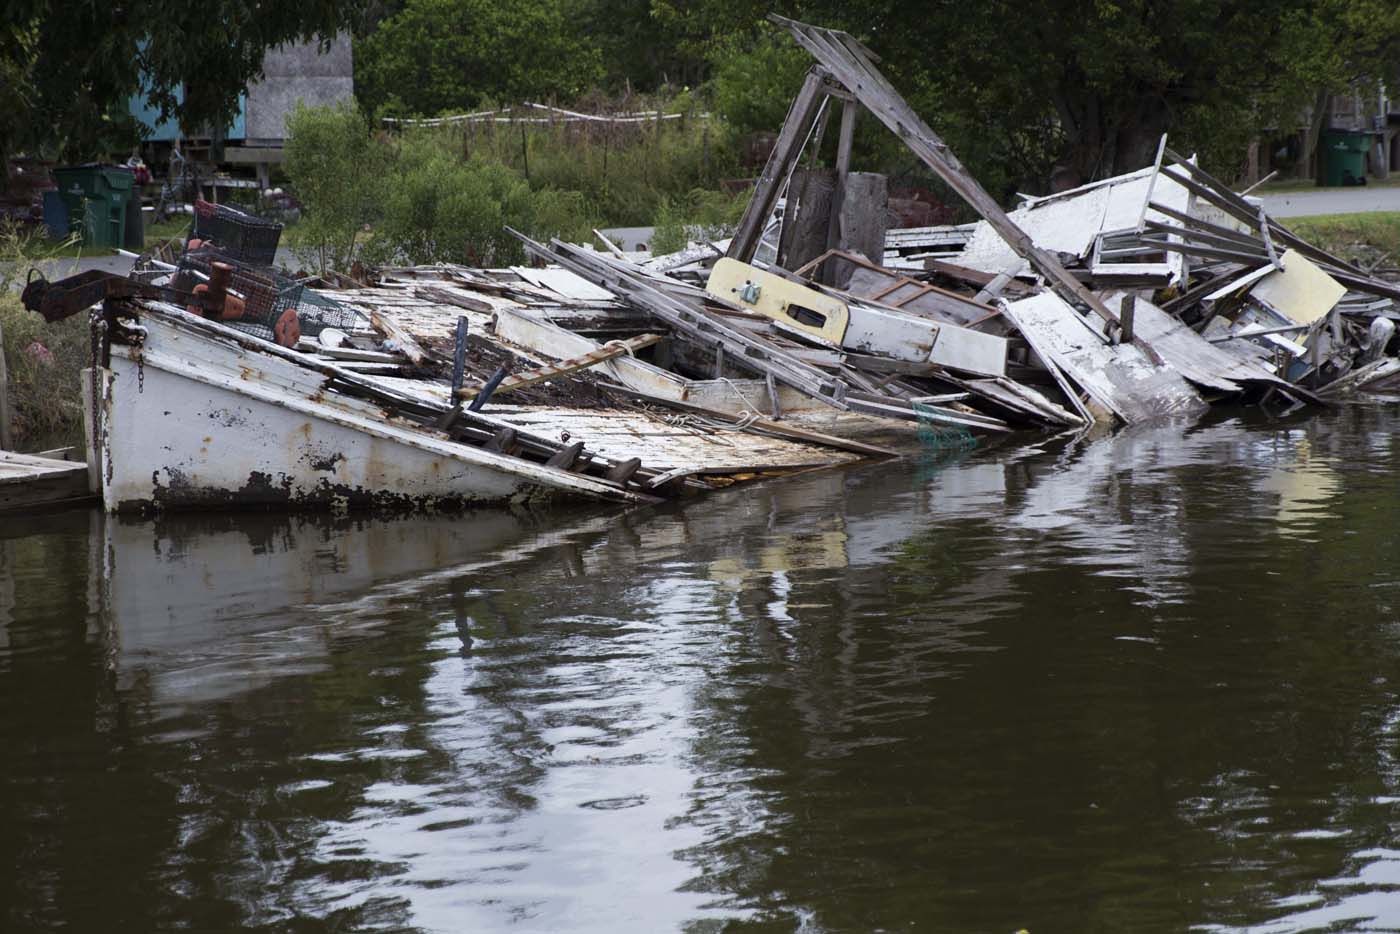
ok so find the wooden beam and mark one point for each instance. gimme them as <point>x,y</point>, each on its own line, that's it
<point>28,481</point>
<point>848,63</point>
<point>1207,186</point>
<point>608,245</point>
<point>791,139</point>
<point>835,235</point>
<point>449,297</point>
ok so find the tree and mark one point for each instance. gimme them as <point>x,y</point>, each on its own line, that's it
<point>1112,75</point>
<point>1089,86</point>
<point>68,70</point>
<point>442,56</point>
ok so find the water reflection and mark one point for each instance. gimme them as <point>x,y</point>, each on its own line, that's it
<point>1143,682</point>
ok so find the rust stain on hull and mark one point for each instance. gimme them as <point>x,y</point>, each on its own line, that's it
<point>264,492</point>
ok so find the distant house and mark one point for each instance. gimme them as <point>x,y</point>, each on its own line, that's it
<point>255,135</point>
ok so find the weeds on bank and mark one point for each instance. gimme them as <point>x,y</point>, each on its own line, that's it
<point>44,360</point>
<point>444,194</point>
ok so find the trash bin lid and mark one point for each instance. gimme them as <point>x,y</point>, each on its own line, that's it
<point>114,177</point>
<point>119,177</point>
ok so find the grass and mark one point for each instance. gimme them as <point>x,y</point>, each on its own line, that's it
<point>1363,238</point>
<point>44,360</point>
<point>444,194</point>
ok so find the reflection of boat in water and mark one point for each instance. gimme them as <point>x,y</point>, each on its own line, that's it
<point>202,607</point>
<point>205,606</point>
<point>254,591</point>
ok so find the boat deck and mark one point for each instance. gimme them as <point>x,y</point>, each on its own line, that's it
<point>663,439</point>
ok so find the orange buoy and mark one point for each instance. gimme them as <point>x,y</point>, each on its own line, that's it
<point>287,329</point>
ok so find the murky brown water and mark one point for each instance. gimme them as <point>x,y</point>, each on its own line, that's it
<point>1148,683</point>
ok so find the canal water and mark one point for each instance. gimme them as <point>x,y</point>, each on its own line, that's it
<point>1148,682</point>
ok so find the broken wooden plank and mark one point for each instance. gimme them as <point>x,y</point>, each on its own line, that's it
<point>551,371</point>
<point>691,254</point>
<point>766,426</point>
<point>1118,376</point>
<point>887,287</point>
<point>563,283</point>
<point>874,405</point>
<point>636,285</point>
<point>350,353</point>
<point>1022,400</point>
<point>389,326</point>
<point>835,236</point>
<point>608,245</point>
<point>791,138</point>
<point>1194,357</point>
<point>452,297</point>
<point>973,276</point>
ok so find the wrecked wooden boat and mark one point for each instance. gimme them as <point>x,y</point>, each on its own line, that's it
<point>195,415</point>
<point>187,412</point>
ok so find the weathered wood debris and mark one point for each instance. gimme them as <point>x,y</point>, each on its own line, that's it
<point>812,338</point>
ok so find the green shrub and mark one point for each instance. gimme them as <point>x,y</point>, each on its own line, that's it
<point>438,207</point>
<point>754,81</point>
<point>1369,237</point>
<point>624,171</point>
<point>446,194</point>
<point>700,215</point>
<point>335,166</point>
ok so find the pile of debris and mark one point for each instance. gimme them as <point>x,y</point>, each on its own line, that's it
<point>813,337</point>
<point>1147,295</point>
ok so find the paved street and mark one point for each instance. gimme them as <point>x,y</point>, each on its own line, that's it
<point>1332,201</point>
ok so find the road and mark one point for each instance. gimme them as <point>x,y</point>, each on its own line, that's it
<point>1332,201</point>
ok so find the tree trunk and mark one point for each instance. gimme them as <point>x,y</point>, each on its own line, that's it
<point>1138,136</point>
<point>1321,114</point>
<point>1100,145</point>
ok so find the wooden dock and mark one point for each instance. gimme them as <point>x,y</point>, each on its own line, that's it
<point>31,481</point>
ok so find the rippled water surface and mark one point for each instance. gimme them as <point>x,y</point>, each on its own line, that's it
<point>1142,683</point>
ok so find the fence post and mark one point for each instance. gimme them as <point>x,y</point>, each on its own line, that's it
<point>6,438</point>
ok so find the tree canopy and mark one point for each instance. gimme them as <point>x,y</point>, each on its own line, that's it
<point>68,70</point>
<point>434,56</point>
<point>1019,90</point>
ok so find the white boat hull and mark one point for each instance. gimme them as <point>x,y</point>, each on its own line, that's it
<point>196,420</point>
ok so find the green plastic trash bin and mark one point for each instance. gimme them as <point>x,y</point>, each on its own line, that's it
<point>97,198</point>
<point>1345,156</point>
